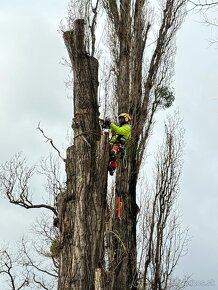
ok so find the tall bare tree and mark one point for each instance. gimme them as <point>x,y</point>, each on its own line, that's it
<point>142,79</point>
<point>163,240</point>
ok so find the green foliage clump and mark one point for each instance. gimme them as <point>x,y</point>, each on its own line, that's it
<point>55,248</point>
<point>165,97</point>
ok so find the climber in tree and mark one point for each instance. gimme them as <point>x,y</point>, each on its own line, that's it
<point>119,136</point>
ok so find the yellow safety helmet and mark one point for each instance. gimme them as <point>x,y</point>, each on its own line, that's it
<point>126,117</point>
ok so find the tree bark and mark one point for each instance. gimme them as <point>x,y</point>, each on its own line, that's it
<point>81,209</point>
<point>124,229</point>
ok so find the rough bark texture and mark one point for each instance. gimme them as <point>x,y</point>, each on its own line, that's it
<point>124,242</point>
<point>81,209</point>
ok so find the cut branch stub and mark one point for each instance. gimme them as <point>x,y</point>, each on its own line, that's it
<point>74,40</point>
<point>85,70</point>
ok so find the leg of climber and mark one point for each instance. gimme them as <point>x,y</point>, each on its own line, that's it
<point>113,158</point>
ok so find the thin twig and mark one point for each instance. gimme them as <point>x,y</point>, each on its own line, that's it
<point>51,142</point>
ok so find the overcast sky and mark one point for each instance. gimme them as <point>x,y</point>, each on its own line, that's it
<point>196,87</point>
<point>32,89</point>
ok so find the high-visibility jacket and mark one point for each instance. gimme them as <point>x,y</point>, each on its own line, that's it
<point>119,133</point>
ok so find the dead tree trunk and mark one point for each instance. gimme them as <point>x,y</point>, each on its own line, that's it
<point>81,208</point>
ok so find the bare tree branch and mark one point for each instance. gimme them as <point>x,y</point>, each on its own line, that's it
<point>39,283</point>
<point>204,4</point>
<point>51,142</point>
<point>92,26</point>
<point>9,267</point>
<point>15,177</point>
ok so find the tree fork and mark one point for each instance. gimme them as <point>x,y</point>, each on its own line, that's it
<point>81,209</point>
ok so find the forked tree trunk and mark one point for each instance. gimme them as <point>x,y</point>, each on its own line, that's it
<point>82,207</point>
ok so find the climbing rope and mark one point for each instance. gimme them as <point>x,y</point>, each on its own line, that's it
<point>122,157</point>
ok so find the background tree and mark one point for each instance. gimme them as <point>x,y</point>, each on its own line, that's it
<point>163,241</point>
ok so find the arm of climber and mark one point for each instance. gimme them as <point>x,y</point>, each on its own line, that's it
<point>123,130</point>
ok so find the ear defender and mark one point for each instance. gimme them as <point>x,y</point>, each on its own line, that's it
<point>125,116</point>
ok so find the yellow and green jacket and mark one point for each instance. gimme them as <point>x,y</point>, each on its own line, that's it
<point>119,133</point>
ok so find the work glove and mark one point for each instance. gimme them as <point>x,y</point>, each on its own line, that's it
<point>107,122</point>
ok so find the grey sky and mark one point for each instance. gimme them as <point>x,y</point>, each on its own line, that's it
<point>32,89</point>
<point>196,86</point>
